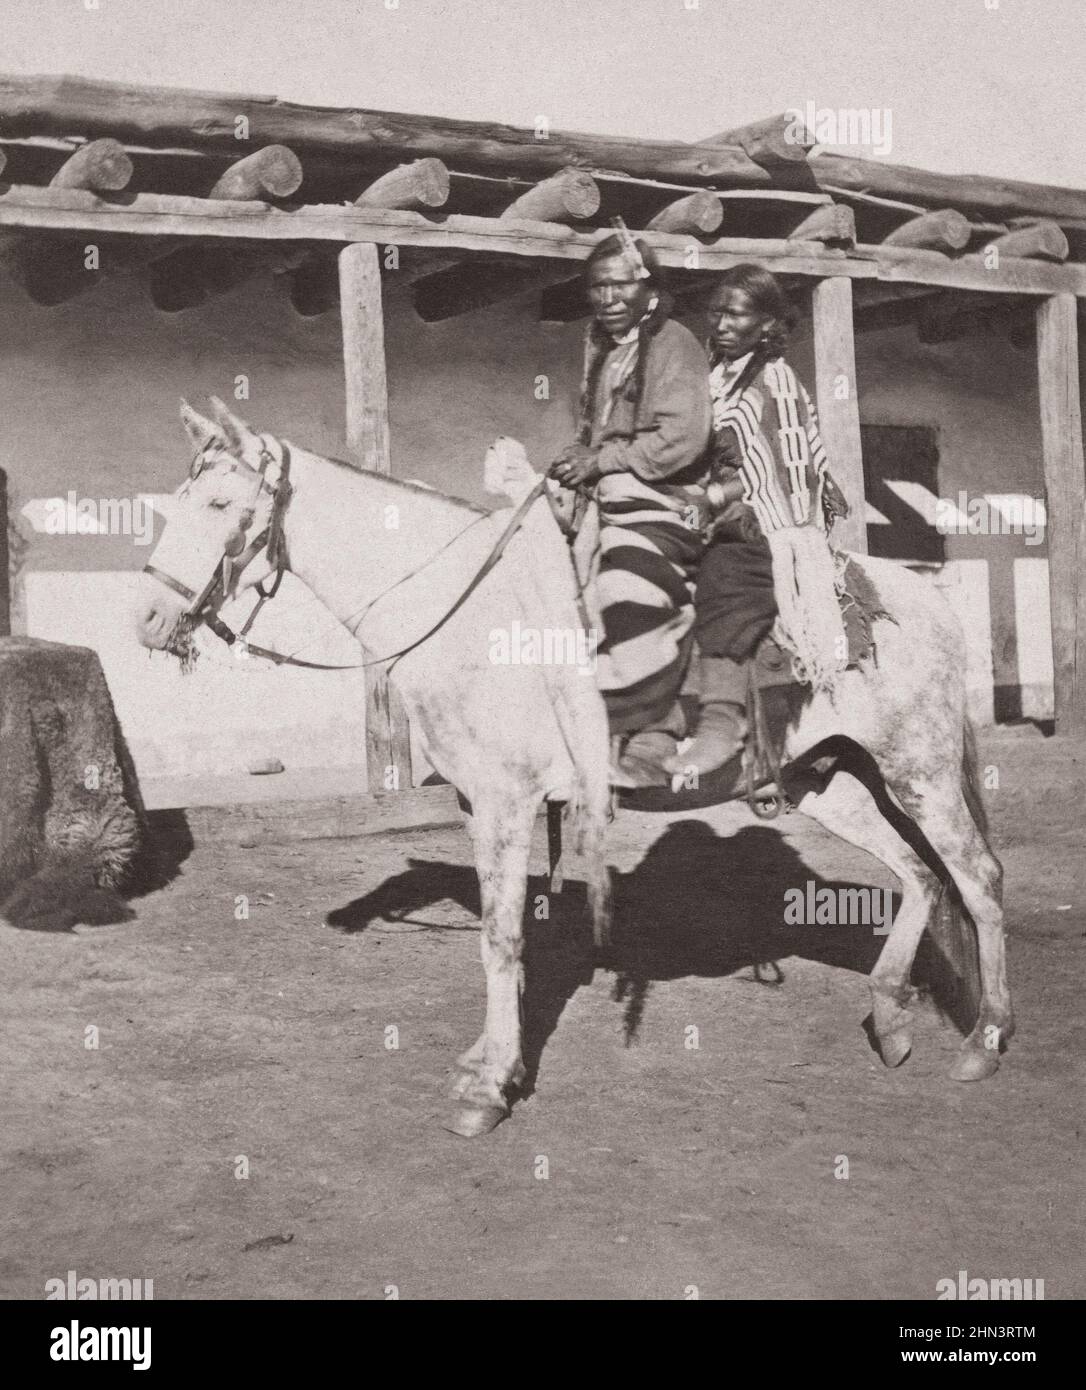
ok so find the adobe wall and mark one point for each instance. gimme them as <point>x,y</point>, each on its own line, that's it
<point>88,402</point>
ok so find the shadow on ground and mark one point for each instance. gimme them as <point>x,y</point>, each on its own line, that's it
<point>698,904</point>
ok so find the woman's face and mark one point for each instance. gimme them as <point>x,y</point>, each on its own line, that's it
<point>735,326</point>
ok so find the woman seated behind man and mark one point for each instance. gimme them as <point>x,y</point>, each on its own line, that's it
<point>771,492</point>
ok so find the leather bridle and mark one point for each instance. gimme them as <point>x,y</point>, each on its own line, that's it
<point>239,552</point>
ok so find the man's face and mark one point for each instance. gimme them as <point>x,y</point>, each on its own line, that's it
<point>735,325</point>
<point>618,300</point>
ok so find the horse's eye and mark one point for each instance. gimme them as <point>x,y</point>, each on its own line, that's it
<point>220,504</point>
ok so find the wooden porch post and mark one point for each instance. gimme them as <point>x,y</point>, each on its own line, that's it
<point>1065,489</point>
<point>388,742</point>
<point>5,560</point>
<point>838,402</point>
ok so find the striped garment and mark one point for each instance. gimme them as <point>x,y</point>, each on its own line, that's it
<point>765,426</point>
<point>768,429</point>
<point>653,505</point>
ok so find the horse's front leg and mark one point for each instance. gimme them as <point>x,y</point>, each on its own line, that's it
<point>493,1067</point>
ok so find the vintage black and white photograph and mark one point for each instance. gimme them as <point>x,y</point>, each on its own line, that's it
<point>543,658</point>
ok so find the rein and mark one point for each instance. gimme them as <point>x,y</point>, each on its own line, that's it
<point>203,609</point>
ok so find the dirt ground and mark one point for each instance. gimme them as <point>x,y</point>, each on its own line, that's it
<point>637,1167</point>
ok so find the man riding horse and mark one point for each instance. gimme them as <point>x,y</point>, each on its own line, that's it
<point>665,482</point>
<point>641,443</point>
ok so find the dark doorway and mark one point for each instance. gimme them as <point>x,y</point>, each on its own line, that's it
<point>901,453</point>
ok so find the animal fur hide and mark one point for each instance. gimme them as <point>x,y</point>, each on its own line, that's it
<point>71,817</point>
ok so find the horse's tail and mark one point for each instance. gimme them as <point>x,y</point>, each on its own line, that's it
<point>956,981</point>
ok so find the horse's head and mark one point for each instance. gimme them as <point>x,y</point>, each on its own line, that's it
<point>224,534</point>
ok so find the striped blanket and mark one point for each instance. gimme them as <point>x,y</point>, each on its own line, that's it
<point>650,422</point>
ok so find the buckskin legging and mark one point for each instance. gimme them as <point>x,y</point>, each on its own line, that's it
<point>734,604</point>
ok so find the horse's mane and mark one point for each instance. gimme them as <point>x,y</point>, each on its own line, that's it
<point>397,483</point>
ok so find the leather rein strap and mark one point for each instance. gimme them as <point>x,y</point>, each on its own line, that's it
<point>202,610</point>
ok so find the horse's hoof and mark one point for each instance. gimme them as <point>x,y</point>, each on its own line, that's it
<point>469,1121</point>
<point>895,1047</point>
<point>975,1064</point>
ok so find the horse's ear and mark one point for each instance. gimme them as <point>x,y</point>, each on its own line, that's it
<point>198,427</point>
<point>238,431</point>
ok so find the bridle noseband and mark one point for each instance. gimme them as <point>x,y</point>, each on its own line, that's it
<point>238,549</point>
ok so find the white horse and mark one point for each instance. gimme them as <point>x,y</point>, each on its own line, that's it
<point>391,559</point>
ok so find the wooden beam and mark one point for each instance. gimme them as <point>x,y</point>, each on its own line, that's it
<point>943,230</point>
<point>838,402</point>
<point>1065,491</point>
<point>164,116</point>
<point>274,171</point>
<point>364,357</point>
<point>52,271</point>
<point>1044,240</point>
<point>388,741</point>
<point>565,197</point>
<point>388,736</point>
<point>1001,198</point>
<point>833,223</point>
<point>698,214</point>
<point>183,278</point>
<point>102,165</point>
<point>158,215</point>
<point>781,139</point>
<point>5,560</point>
<point>170,117</point>
<point>424,184</point>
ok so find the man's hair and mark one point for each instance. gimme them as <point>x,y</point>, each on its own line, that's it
<point>611,246</point>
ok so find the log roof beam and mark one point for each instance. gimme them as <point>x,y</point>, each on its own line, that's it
<point>160,216</point>
<point>186,276</point>
<point>944,229</point>
<point>39,106</point>
<point>566,196</point>
<point>781,139</point>
<point>53,270</point>
<point>420,186</point>
<point>1040,240</point>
